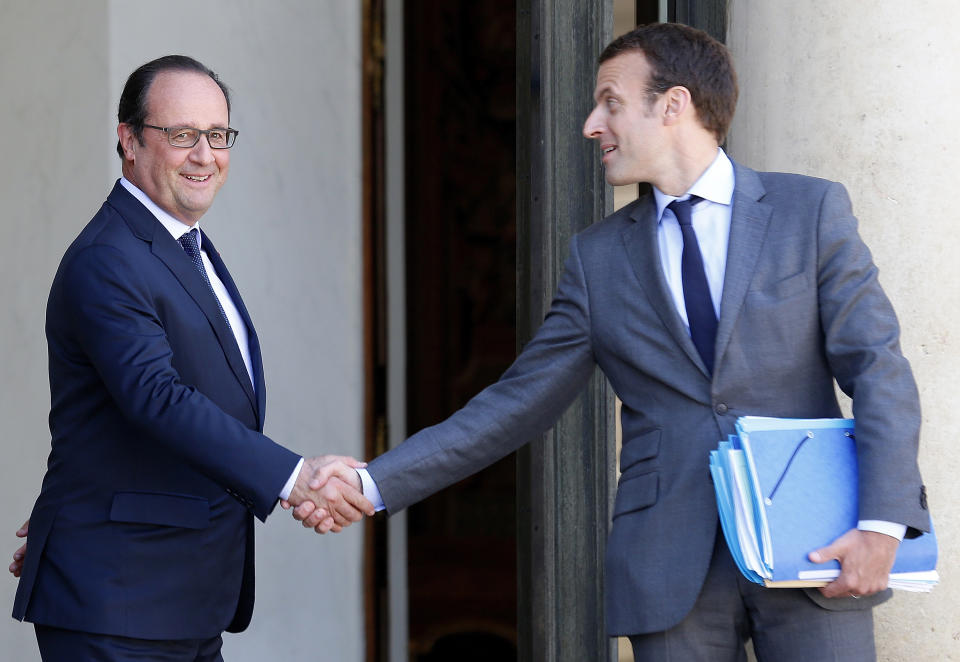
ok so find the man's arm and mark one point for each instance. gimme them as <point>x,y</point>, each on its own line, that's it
<point>109,309</point>
<point>862,344</point>
<point>552,368</point>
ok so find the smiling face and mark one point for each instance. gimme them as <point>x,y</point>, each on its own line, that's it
<point>183,182</point>
<point>627,122</point>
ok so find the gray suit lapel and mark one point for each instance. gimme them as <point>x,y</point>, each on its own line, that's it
<point>748,228</point>
<point>643,251</point>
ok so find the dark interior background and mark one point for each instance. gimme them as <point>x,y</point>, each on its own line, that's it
<point>461,310</point>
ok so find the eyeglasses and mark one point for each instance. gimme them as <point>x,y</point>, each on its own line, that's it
<point>186,136</point>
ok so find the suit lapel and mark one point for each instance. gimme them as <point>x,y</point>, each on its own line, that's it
<point>143,224</point>
<point>749,221</point>
<point>255,357</point>
<point>643,251</point>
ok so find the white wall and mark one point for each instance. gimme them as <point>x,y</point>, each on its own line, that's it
<point>867,93</point>
<point>288,224</point>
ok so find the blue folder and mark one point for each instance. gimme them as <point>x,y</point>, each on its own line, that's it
<point>786,487</point>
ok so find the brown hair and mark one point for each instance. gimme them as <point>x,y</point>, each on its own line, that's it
<point>681,55</point>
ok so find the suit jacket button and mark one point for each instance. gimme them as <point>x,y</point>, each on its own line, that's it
<point>721,409</point>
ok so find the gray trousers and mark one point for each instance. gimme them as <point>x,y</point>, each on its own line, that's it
<point>785,625</point>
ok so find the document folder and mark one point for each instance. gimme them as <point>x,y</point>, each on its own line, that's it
<point>786,487</point>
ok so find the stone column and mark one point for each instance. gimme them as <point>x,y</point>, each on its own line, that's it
<point>564,480</point>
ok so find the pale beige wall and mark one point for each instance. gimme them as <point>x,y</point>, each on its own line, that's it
<point>53,96</point>
<point>288,224</point>
<point>867,93</point>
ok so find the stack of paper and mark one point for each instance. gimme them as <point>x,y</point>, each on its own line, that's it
<point>786,487</point>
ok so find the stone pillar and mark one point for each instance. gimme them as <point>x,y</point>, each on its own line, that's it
<point>866,94</point>
<point>565,479</point>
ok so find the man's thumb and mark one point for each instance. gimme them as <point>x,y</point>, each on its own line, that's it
<point>824,554</point>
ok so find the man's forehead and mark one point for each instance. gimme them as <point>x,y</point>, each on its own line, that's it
<point>185,92</point>
<point>620,71</point>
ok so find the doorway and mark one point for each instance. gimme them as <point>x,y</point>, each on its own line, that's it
<point>441,578</point>
<point>459,90</point>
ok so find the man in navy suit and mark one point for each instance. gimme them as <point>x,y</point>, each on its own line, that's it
<point>141,541</point>
<point>725,292</point>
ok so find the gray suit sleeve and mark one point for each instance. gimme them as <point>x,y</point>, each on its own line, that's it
<point>862,339</point>
<point>529,397</point>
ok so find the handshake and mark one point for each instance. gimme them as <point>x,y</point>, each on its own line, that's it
<point>328,495</point>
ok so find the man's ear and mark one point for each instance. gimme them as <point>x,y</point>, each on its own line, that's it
<point>677,102</point>
<point>128,141</point>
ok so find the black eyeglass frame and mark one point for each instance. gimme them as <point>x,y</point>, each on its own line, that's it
<point>231,135</point>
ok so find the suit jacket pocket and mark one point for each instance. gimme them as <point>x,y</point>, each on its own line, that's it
<point>637,493</point>
<point>163,509</point>
<point>785,287</point>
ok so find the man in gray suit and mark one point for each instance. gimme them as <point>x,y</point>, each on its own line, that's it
<point>726,292</point>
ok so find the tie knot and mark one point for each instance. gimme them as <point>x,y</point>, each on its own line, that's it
<point>189,237</point>
<point>189,242</point>
<point>682,209</point>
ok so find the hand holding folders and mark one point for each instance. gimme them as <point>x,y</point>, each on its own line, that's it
<point>786,487</point>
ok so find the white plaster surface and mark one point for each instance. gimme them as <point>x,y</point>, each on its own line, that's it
<point>866,93</point>
<point>288,224</point>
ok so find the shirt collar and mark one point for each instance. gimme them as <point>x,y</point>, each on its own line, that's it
<point>176,228</point>
<point>715,184</point>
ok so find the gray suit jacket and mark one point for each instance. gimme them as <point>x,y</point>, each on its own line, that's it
<point>801,306</point>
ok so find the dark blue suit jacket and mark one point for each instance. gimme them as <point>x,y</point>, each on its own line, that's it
<point>143,527</point>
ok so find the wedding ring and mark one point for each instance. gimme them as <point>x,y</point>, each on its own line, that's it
<point>855,597</point>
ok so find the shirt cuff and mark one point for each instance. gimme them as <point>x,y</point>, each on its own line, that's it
<point>370,490</point>
<point>891,529</point>
<point>291,481</point>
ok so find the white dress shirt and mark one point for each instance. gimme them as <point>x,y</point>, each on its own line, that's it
<point>177,229</point>
<point>711,222</point>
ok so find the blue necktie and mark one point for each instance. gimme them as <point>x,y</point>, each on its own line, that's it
<point>189,242</point>
<point>696,290</point>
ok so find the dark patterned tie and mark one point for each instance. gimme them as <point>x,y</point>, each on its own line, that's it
<point>696,290</point>
<point>189,242</point>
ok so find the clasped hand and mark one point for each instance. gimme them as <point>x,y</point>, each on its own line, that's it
<point>328,495</point>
